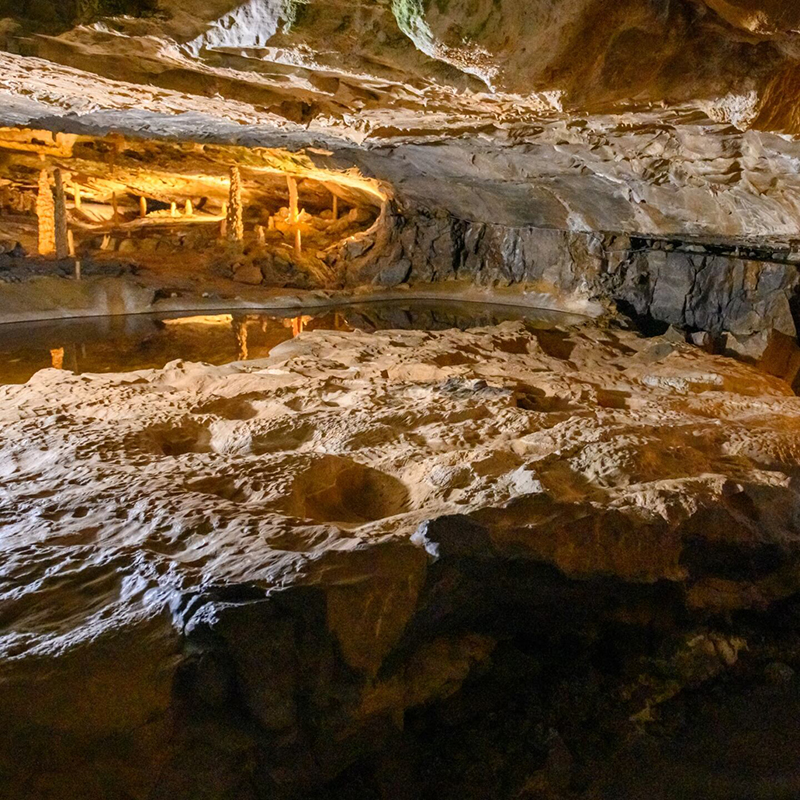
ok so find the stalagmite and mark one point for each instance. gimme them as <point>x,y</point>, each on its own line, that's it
<point>71,243</point>
<point>188,209</point>
<point>115,207</point>
<point>223,223</point>
<point>292,183</point>
<point>76,194</point>
<point>57,358</point>
<point>335,207</point>
<point>260,234</point>
<point>173,209</point>
<point>235,211</point>
<point>142,207</point>
<point>293,212</point>
<point>45,213</point>
<point>60,217</point>
<point>271,223</point>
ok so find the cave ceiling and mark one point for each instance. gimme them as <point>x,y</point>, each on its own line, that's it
<point>655,116</point>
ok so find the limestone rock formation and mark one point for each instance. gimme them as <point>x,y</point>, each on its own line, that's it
<point>60,217</point>
<point>45,215</point>
<point>500,563</point>
<point>235,227</point>
<point>245,580</point>
<point>647,118</point>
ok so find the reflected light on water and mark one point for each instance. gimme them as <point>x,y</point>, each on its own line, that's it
<point>128,343</point>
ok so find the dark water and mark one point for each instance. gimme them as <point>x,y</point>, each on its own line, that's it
<point>120,344</point>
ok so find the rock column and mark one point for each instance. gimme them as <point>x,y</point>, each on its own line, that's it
<point>235,227</point>
<point>45,213</point>
<point>60,213</point>
<point>293,211</point>
<point>294,215</point>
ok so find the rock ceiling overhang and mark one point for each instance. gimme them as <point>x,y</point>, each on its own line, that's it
<point>660,117</point>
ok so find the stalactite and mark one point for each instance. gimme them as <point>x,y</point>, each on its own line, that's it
<point>335,207</point>
<point>235,211</point>
<point>60,217</point>
<point>45,213</point>
<point>115,207</point>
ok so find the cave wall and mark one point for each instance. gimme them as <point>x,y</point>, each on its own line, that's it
<point>718,287</point>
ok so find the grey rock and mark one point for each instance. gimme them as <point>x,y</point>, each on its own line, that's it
<point>773,351</point>
<point>454,536</point>
<point>394,274</point>
<point>703,340</point>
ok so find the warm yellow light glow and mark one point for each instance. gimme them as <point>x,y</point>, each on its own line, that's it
<point>57,358</point>
<point>42,142</point>
<point>203,319</point>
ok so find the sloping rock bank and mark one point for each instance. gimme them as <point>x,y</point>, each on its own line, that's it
<point>404,564</point>
<point>743,294</point>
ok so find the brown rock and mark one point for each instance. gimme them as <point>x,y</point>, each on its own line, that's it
<point>247,273</point>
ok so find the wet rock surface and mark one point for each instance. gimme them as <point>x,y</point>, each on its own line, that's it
<point>401,564</point>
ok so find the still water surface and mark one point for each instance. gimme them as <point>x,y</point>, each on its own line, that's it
<point>143,341</point>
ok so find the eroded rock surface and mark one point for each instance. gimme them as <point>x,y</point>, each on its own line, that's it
<point>250,580</point>
<point>645,118</point>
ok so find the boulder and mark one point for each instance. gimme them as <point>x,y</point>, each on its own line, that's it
<point>771,350</point>
<point>247,273</point>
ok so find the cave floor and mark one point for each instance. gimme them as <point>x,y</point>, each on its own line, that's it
<point>252,578</point>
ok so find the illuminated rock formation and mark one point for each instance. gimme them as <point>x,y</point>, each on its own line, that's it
<point>60,217</point>
<point>45,215</point>
<point>235,216</point>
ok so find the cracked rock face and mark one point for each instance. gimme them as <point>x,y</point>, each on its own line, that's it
<point>241,580</point>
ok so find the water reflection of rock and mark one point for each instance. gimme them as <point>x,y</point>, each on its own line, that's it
<point>114,344</point>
